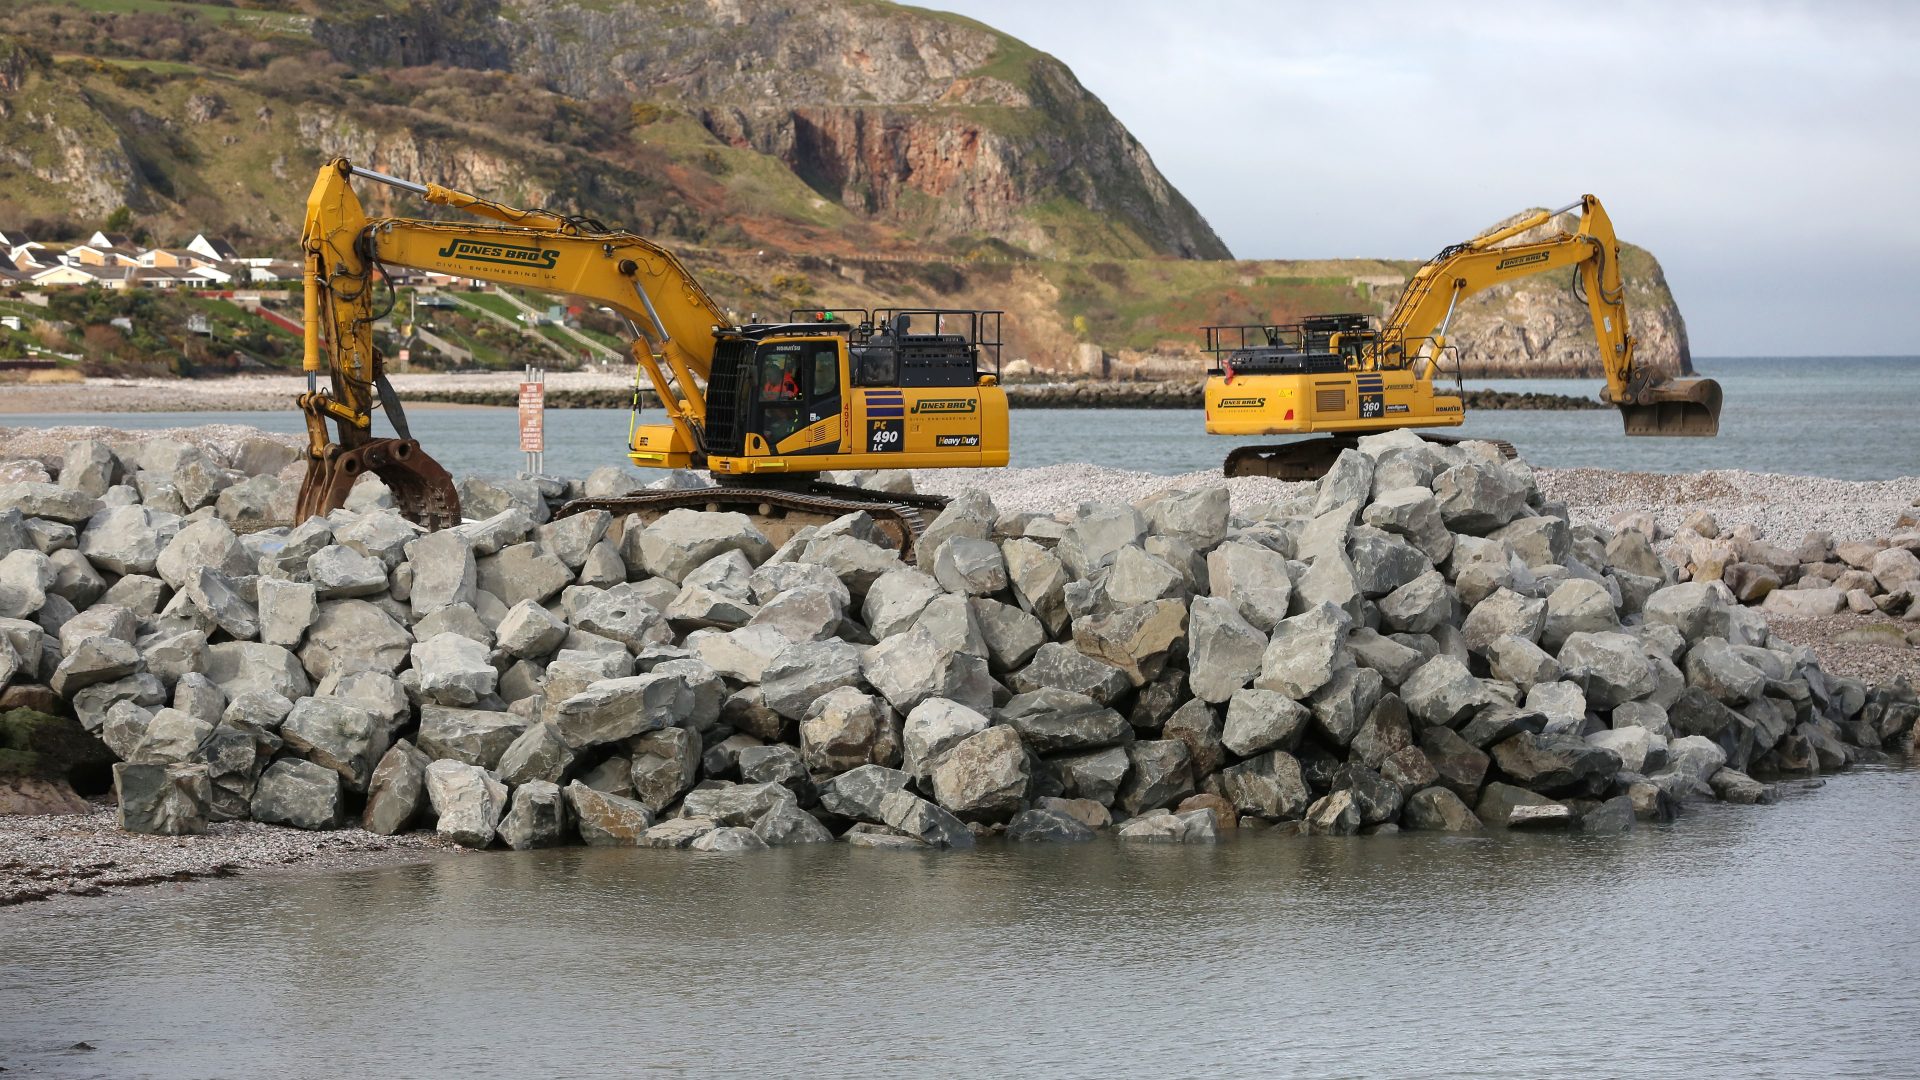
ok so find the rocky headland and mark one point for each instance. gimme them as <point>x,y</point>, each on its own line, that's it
<point>1424,640</point>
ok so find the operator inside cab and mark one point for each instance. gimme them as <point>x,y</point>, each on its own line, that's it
<point>780,395</point>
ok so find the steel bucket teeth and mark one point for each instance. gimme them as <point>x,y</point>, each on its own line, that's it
<point>422,490</point>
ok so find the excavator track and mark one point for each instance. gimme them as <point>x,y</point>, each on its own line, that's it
<point>782,512</point>
<point>1309,459</point>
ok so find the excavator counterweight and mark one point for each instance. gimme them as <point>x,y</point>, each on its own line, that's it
<point>1343,376</point>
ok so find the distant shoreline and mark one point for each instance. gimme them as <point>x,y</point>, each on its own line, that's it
<point>587,390</point>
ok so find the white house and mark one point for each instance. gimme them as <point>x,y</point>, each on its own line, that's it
<point>214,248</point>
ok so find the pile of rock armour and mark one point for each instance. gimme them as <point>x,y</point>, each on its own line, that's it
<point>1815,576</point>
<point>1420,641</point>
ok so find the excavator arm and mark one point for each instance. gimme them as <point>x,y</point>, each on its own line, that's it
<point>673,316</point>
<point>1649,403</point>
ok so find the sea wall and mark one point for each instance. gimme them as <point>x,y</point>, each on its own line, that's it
<point>1420,641</point>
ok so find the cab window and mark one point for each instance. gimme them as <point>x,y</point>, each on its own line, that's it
<point>826,372</point>
<point>780,376</point>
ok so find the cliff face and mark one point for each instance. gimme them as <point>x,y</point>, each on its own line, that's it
<point>797,152</point>
<point>918,120</point>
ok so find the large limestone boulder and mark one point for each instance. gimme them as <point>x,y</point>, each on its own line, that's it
<point>843,730</point>
<point>805,671</point>
<point>1224,650</point>
<point>607,820</point>
<point>161,799</point>
<point>1269,786</point>
<point>337,735</point>
<point>936,726</point>
<point>683,539</point>
<point>468,801</point>
<point>1051,720</point>
<point>1136,639</point>
<point>397,791</point>
<point>470,736</point>
<point>614,709</point>
<point>1254,579</point>
<point>453,669</point>
<point>537,817</point>
<point>300,793</point>
<point>856,794</point>
<point>354,635</point>
<point>984,777</point>
<point>909,668</point>
<point>1305,652</point>
<point>243,667</point>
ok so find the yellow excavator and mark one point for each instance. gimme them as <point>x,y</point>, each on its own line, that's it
<point>764,407</point>
<point>1343,376</point>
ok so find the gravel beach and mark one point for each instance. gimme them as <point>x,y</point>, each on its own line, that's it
<point>45,856</point>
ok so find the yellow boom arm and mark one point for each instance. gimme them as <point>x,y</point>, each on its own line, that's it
<point>1650,403</point>
<point>538,249</point>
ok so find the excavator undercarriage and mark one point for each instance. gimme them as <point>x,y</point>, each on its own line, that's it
<point>1309,459</point>
<point>782,512</point>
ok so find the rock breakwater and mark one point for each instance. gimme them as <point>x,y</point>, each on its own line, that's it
<point>1419,641</point>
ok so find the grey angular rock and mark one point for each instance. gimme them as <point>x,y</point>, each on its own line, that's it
<point>1198,725</point>
<point>665,765</point>
<point>453,670</point>
<point>1443,691</point>
<point>161,799</point>
<point>1384,732</point>
<point>1038,579</point>
<point>572,538</point>
<point>469,736</point>
<point>896,599</point>
<point>1261,720</point>
<point>300,793</point>
<point>1011,635</point>
<point>1503,613</point>
<point>397,790</point>
<point>1334,814</point>
<point>1342,705</point>
<point>467,800</point>
<point>285,611</point>
<point>1437,809</point>
<point>808,613</point>
<point>1521,662</point>
<point>1419,606</point>
<point>1458,764</point>
<point>937,725</point>
<point>1610,668</point>
<point>787,825</point>
<point>924,821</point>
<point>539,753</point>
<point>1096,777</point>
<point>1556,764</point>
<point>170,737</point>
<point>1166,826</point>
<point>683,539</point>
<point>209,545</point>
<point>856,794</point>
<point>1269,786</point>
<point>1224,651</point>
<point>910,668</point>
<point>970,566</point>
<point>93,661</point>
<point>54,502</point>
<point>1577,606</point>
<point>1713,666</point>
<point>728,838</point>
<point>537,817</point>
<point>1047,826</point>
<point>530,631</point>
<point>738,805</point>
<point>350,636</point>
<point>608,820</point>
<point>984,777</point>
<point>522,572</point>
<point>338,572</point>
<point>1062,666</point>
<point>841,730</point>
<point>444,572</point>
<point>1734,786</point>
<point>1159,774</point>
<point>337,735</point>
<point>1254,579</point>
<point>613,709</point>
<point>1051,720</point>
<point>1137,639</point>
<point>805,671</point>
<point>1305,652</point>
<point>1689,607</point>
<point>1477,499</point>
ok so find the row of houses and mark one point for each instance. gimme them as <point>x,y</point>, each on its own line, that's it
<point>113,261</point>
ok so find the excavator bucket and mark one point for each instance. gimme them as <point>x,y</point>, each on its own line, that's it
<point>422,490</point>
<point>1682,407</point>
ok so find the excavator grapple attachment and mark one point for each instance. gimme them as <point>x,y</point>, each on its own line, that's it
<point>1676,407</point>
<point>422,490</point>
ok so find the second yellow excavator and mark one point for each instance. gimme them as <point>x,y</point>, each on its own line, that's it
<point>1340,375</point>
<point>764,407</point>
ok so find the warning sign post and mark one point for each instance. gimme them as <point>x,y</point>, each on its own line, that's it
<point>533,414</point>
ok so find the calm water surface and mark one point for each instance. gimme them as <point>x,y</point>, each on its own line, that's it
<point>1852,418</point>
<point>1740,941</point>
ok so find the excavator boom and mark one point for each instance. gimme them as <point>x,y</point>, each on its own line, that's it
<point>775,403</point>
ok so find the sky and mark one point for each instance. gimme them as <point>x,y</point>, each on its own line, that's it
<point>1766,153</point>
